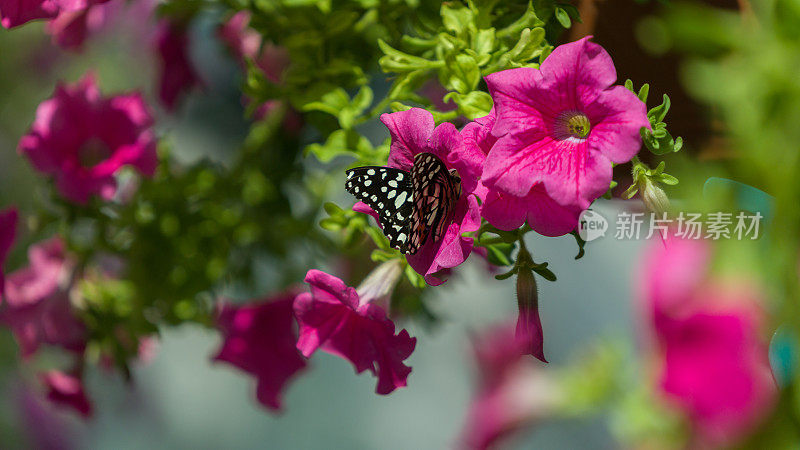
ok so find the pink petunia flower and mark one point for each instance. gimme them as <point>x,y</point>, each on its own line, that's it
<point>67,390</point>
<point>508,212</point>
<point>714,362</point>
<point>70,29</point>
<point>412,133</point>
<point>177,73</point>
<point>36,304</point>
<point>260,339</point>
<point>562,125</point>
<point>82,139</point>
<point>513,393</point>
<point>347,323</point>
<point>8,232</point>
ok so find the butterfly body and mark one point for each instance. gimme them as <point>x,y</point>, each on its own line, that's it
<point>412,206</point>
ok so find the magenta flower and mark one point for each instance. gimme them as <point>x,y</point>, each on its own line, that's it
<point>67,390</point>
<point>715,364</point>
<point>508,212</point>
<point>8,232</point>
<point>82,139</point>
<point>17,12</point>
<point>562,125</point>
<point>341,321</point>
<point>177,74</point>
<point>412,133</point>
<point>36,303</point>
<point>260,339</point>
<point>513,393</point>
<point>70,29</point>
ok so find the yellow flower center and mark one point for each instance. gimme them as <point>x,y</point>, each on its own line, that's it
<point>572,124</point>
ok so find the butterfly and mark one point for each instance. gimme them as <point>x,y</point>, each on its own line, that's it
<point>412,206</point>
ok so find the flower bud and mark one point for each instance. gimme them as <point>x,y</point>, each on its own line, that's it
<point>529,326</point>
<point>654,198</point>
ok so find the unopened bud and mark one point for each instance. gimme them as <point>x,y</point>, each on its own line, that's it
<point>529,326</point>
<point>654,198</point>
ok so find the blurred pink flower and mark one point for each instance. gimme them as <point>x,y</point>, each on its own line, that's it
<point>509,212</point>
<point>8,232</point>
<point>562,125</point>
<point>17,12</point>
<point>44,429</point>
<point>83,139</point>
<point>412,133</point>
<point>71,28</point>
<point>340,321</point>
<point>247,44</point>
<point>67,390</point>
<point>36,305</point>
<point>715,364</point>
<point>260,339</point>
<point>177,74</point>
<point>513,393</point>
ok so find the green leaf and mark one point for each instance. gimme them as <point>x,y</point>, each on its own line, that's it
<point>456,18</point>
<point>507,275</point>
<point>483,41</point>
<point>544,272</point>
<point>643,92</point>
<point>416,279</point>
<point>629,85</point>
<point>667,179</point>
<point>563,17</point>
<point>332,209</point>
<point>658,113</point>
<point>473,105</point>
<point>500,254</point>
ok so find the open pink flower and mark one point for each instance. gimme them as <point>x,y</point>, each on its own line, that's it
<point>513,392</point>
<point>66,390</point>
<point>509,212</point>
<point>36,304</point>
<point>260,339</point>
<point>83,139</point>
<point>714,361</point>
<point>178,74</point>
<point>335,318</point>
<point>562,125</point>
<point>8,232</point>
<point>412,133</point>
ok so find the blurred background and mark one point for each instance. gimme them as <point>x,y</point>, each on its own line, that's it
<point>180,399</point>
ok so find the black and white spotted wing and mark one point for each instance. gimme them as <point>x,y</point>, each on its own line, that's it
<point>411,206</point>
<point>388,191</point>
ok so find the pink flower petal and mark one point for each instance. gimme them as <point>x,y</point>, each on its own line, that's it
<point>331,319</point>
<point>260,339</point>
<point>67,390</point>
<point>17,12</point>
<point>178,74</point>
<point>535,145</point>
<point>82,139</point>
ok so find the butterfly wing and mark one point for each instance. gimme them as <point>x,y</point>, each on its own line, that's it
<point>434,198</point>
<point>387,191</point>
